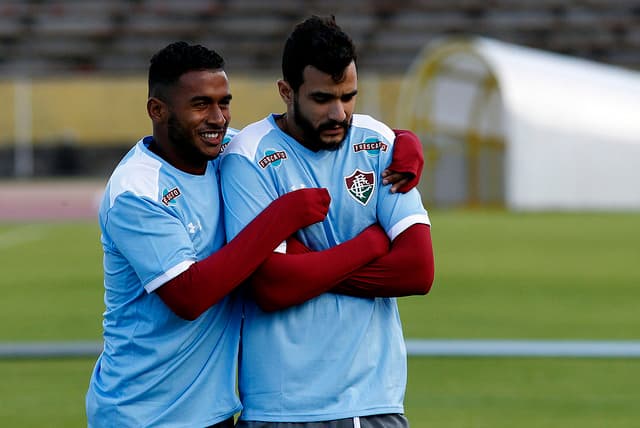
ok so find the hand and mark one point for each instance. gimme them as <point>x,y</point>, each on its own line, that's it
<point>397,180</point>
<point>303,207</point>
<point>376,240</point>
<point>407,161</point>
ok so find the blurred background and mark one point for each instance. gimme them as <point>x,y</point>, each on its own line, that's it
<point>527,111</point>
<point>523,104</point>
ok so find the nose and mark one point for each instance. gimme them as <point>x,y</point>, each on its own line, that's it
<point>216,116</point>
<point>337,111</point>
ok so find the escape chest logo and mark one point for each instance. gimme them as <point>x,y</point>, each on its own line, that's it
<point>169,196</point>
<point>272,157</point>
<point>371,145</point>
<point>361,185</point>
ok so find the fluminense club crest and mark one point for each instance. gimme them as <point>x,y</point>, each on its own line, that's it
<point>361,185</point>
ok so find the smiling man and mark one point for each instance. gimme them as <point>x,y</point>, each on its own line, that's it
<point>171,323</point>
<point>192,117</point>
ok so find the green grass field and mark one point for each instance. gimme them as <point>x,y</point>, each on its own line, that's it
<point>498,275</point>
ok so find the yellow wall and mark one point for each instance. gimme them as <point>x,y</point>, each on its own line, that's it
<point>6,112</point>
<point>112,110</point>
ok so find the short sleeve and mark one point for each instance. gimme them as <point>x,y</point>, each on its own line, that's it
<point>398,211</point>
<point>152,239</point>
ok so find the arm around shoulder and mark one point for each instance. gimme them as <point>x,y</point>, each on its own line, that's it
<point>208,281</point>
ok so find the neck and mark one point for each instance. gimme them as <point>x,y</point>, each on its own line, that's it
<point>287,125</point>
<point>282,123</point>
<point>173,157</point>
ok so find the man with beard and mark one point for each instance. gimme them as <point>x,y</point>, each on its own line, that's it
<point>322,343</point>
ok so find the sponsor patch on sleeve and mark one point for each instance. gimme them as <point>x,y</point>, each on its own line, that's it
<point>371,145</point>
<point>272,157</point>
<point>169,196</point>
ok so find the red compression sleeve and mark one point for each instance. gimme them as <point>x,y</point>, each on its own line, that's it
<point>206,282</point>
<point>296,247</point>
<point>290,279</point>
<point>408,269</point>
<point>407,157</point>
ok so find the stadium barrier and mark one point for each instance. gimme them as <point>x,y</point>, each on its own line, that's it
<point>415,348</point>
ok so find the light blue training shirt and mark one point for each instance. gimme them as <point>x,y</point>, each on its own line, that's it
<point>334,356</point>
<point>158,369</point>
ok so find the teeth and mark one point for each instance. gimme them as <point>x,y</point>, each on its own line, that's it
<point>210,135</point>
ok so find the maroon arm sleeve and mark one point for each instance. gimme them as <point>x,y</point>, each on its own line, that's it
<point>206,282</point>
<point>408,268</point>
<point>289,279</point>
<point>407,157</point>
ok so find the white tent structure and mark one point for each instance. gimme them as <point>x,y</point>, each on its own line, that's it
<point>524,128</point>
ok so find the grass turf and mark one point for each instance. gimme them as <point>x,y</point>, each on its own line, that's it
<point>442,392</point>
<point>498,275</point>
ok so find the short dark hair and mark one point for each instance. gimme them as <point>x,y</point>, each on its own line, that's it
<point>319,42</point>
<point>176,59</point>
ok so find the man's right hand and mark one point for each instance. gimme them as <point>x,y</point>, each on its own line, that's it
<point>304,206</point>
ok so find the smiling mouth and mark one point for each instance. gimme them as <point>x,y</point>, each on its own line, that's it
<point>212,137</point>
<point>210,134</point>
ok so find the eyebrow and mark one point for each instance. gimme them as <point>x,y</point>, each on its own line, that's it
<point>331,95</point>
<point>208,99</point>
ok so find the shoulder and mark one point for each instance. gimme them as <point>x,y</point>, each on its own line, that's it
<point>231,132</point>
<point>246,141</point>
<point>138,173</point>
<point>365,124</point>
<point>369,135</point>
<point>228,136</point>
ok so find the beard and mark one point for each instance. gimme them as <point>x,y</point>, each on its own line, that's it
<point>183,140</point>
<point>178,135</point>
<point>311,134</point>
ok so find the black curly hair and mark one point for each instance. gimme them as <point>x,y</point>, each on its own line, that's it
<point>319,42</point>
<point>176,59</point>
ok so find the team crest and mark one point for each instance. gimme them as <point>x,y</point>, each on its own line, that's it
<point>272,157</point>
<point>361,185</point>
<point>169,196</point>
<point>371,145</point>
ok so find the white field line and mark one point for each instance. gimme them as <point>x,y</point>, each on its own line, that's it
<point>415,347</point>
<point>21,235</point>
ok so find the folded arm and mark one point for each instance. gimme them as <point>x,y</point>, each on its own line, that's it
<point>407,269</point>
<point>289,279</point>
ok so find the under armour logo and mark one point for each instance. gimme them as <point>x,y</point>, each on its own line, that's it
<point>193,228</point>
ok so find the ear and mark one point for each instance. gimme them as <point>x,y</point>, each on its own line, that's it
<point>286,92</point>
<point>156,109</point>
